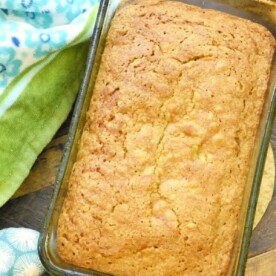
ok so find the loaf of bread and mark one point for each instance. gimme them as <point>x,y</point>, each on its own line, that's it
<point>165,153</point>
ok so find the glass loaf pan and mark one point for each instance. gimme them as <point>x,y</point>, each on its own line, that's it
<point>260,11</point>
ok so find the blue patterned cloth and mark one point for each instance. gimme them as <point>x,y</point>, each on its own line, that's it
<point>32,29</point>
<point>18,252</point>
<point>43,50</point>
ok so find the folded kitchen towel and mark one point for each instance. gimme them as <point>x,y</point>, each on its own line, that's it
<point>43,49</point>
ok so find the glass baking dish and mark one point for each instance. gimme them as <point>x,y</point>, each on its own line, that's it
<point>260,11</point>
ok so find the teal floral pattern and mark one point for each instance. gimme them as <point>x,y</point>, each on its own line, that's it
<point>18,252</point>
<point>45,42</point>
<point>2,15</point>
<point>72,8</point>
<point>10,26</point>
<point>37,20</point>
<point>23,239</point>
<point>26,5</point>
<point>9,65</point>
<point>7,257</point>
<point>28,264</point>
<point>32,29</point>
<point>3,34</point>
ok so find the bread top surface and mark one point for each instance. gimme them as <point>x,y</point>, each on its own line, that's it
<point>166,149</point>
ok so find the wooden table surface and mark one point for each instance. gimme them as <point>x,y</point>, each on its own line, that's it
<point>29,209</point>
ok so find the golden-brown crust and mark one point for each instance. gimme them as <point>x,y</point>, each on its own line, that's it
<point>165,152</point>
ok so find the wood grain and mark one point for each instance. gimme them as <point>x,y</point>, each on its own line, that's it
<point>45,169</point>
<point>262,265</point>
<point>27,211</point>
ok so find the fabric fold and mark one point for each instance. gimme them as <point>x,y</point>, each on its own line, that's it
<point>43,50</point>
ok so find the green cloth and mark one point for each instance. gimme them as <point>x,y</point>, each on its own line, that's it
<point>33,119</point>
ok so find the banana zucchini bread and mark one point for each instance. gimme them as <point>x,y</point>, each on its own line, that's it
<point>165,152</point>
